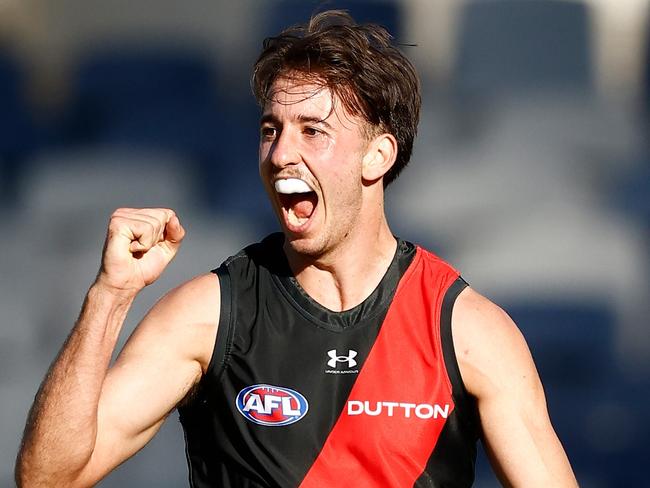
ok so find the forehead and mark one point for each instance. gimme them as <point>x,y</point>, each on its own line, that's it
<point>298,98</point>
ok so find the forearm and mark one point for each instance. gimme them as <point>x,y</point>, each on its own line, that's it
<point>62,426</point>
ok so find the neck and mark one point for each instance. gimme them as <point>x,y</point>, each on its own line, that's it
<point>346,275</point>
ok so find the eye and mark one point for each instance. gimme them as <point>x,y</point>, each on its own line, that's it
<point>311,131</point>
<point>268,132</point>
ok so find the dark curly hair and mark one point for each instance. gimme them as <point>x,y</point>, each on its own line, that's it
<point>359,64</point>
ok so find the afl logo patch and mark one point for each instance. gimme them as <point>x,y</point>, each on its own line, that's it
<point>271,405</point>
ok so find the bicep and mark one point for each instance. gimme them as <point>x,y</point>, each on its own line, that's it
<point>497,368</point>
<point>164,357</point>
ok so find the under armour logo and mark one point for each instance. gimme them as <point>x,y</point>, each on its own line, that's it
<point>335,358</point>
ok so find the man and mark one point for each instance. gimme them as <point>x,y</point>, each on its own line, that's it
<point>333,354</point>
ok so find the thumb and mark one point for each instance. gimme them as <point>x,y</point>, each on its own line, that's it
<point>174,233</point>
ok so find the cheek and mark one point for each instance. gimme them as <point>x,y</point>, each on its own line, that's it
<point>262,152</point>
<point>347,184</point>
<point>263,159</point>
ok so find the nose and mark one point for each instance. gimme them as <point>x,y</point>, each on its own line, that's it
<point>284,150</point>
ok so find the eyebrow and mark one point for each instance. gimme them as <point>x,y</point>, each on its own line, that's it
<point>270,118</point>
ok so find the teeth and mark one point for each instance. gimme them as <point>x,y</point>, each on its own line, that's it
<point>295,220</point>
<point>292,185</point>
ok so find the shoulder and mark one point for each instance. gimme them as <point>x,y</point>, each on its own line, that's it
<point>193,299</point>
<point>492,353</point>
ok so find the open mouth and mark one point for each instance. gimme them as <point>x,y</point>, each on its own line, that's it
<point>297,199</point>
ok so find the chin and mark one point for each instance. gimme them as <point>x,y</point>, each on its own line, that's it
<point>304,246</point>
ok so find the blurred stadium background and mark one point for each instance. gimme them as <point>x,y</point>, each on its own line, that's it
<point>531,174</point>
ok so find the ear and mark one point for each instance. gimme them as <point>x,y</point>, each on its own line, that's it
<point>380,157</point>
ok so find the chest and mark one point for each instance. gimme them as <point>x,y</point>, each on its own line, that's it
<point>379,378</point>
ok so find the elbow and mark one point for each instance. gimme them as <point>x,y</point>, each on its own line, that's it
<point>25,475</point>
<point>19,474</point>
<point>21,470</point>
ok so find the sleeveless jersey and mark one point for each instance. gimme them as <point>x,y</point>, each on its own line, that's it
<point>299,395</point>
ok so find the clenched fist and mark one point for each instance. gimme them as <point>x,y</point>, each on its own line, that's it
<point>139,245</point>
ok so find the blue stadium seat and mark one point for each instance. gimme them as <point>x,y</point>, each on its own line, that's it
<point>633,194</point>
<point>604,430</point>
<point>162,99</point>
<point>11,100</point>
<point>512,46</point>
<point>636,191</point>
<point>598,413</point>
<point>572,342</point>
<point>118,83</point>
<point>221,143</point>
<point>19,134</point>
<point>646,77</point>
<point>279,14</point>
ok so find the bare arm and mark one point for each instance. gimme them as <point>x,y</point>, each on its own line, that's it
<point>498,370</point>
<point>86,419</point>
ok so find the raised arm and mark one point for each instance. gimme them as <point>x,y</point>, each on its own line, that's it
<point>87,419</point>
<point>498,370</point>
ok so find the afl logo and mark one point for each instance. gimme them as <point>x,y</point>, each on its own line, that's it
<point>271,405</point>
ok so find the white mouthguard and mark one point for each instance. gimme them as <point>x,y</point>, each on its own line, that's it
<point>292,185</point>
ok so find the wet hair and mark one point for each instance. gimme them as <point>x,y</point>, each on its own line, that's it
<point>356,62</point>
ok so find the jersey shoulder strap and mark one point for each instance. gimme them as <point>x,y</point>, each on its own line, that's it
<point>236,273</point>
<point>223,342</point>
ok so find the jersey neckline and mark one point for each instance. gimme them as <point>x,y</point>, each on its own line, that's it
<point>373,305</point>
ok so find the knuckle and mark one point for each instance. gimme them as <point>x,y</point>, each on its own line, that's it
<point>115,222</point>
<point>152,228</point>
<point>121,211</point>
<point>163,213</point>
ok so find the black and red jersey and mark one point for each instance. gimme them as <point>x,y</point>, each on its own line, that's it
<point>299,395</point>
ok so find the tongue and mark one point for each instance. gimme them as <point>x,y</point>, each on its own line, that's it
<point>303,204</point>
<point>303,208</point>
